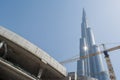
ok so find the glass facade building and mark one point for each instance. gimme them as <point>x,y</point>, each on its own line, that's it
<point>91,66</point>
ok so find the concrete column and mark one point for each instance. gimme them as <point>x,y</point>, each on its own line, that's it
<point>40,74</point>
<point>6,51</point>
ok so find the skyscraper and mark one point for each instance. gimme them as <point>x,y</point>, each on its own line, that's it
<point>91,66</point>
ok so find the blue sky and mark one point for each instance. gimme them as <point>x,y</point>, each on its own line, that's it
<point>55,25</point>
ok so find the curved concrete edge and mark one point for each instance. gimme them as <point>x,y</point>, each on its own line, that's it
<point>20,41</point>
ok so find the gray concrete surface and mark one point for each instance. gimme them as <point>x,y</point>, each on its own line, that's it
<point>32,59</point>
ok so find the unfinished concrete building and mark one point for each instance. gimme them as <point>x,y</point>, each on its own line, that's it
<point>22,60</point>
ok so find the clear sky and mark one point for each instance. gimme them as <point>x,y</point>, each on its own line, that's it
<point>54,25</point>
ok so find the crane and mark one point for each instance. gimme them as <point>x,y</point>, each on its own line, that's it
<point>107,58</point>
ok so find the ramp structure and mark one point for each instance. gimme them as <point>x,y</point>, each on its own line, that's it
<point>22,60</point>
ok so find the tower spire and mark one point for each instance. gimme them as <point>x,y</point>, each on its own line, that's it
<point>84,16</point>
<point>91,66</point>
<point>84,24</point>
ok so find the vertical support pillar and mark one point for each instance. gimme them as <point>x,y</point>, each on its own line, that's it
<point>40,74</point>
<point>6,51</point>
<point>1,44</point>
<point>69,78</point>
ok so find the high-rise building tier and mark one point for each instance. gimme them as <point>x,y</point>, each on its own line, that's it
<point>91,66</point>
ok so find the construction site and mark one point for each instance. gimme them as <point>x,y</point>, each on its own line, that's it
<point>22,60</point>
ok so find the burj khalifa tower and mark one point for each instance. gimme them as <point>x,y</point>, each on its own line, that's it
<point>91,66</point>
